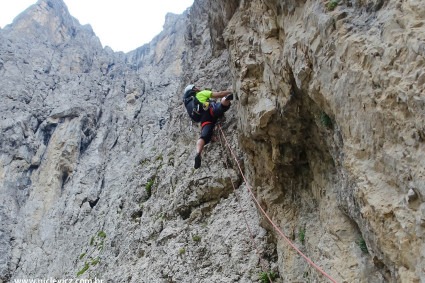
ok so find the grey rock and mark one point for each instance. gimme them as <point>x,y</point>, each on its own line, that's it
<point>96,149</point>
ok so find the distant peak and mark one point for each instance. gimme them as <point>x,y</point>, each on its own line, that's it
<point>47,17</point>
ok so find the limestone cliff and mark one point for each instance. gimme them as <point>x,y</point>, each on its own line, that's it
<point>96,155</point>
<point>332,120</point>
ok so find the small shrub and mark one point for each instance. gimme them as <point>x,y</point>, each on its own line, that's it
<point>332,5</point>
<point>153,149</point>
<point>302,236</point>
<point>265,279</point>
<point>91,241</point>
<point>362,245</point>
<point>94,262</point>
<point>326,120</point>
<point>82,255</point>
<point>182,251</point>
<point>196,238</point>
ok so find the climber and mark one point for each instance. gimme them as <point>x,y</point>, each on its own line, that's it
<point>209,114</point>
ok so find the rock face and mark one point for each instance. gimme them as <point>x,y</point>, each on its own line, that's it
<point>96,155</point>
<point>332,120</point>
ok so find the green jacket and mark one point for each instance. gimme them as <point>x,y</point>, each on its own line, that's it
<point>202,96</point>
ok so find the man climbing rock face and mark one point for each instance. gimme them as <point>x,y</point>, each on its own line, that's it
<point>211,112</point>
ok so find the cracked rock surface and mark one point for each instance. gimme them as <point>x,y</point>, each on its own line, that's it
<point>97,150</point>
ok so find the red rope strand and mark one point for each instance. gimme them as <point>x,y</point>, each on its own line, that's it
<point>269,219</point>
<point>246,221</point>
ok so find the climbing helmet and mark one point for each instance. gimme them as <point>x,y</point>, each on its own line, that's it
<point>189,87</point>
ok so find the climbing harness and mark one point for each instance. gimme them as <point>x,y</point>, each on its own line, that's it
<point>268,217</point>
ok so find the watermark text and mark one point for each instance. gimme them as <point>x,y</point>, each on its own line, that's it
<point>54,280</point>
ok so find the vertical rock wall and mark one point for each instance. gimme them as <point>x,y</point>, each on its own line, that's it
<point>97,152</point>
<point>331,119</point>
<point>96,156</point>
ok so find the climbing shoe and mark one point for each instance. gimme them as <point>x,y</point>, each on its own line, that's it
<point>229,97</point>
<point>197,161</point>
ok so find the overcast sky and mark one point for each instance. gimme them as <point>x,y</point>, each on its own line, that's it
<point>123,25</point>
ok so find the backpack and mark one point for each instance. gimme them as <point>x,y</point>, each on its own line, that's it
<point>193,106</point>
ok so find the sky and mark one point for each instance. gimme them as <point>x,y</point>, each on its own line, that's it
<point>122,25</point>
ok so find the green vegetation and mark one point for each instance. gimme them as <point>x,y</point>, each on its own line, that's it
<point>332,5</point>
<point>302,236</point>
<point>326,120</point>
<point>97,242</point>
<point>159,157</point>
<point>148,187</point>
<point>101,234</point>
<point>265,279</point>
<point>154,149</point>
<point>196,238</point>
<point>362,245</point>
<point>182,251</point>
<point>306,276</point>
<point>86,266</point>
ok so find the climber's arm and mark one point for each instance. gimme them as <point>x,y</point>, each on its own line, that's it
<point>220,94</point>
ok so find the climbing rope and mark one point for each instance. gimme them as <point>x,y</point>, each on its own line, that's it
<point>243,213</point>
<point>268,218</point>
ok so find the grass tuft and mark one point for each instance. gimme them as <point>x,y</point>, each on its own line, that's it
<point>332,5</point>
<point>265,279</point>
<point>101,234</point>
<point>148,188</point>
<point>86,266</point>
<point>302,236</point>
